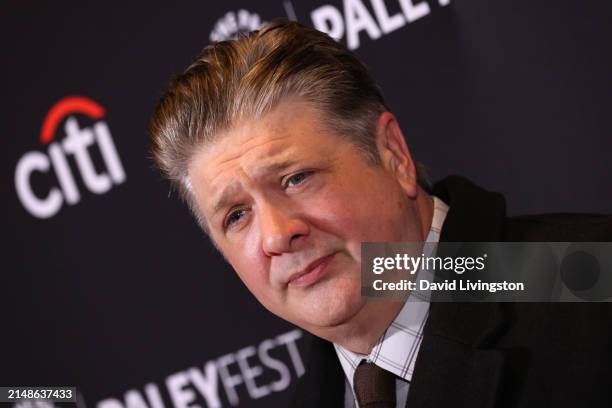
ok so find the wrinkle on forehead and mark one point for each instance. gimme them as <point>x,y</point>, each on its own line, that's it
<point>264,152</point>
<point>256,142</point>
<point>253,161</point>
<point>252,149</point>
<point>248,135</point>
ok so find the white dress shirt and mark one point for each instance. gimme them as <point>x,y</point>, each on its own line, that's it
<point>397,349</point>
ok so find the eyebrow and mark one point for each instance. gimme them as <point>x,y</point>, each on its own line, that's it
<point>226,197</point>
<point>228,192</point>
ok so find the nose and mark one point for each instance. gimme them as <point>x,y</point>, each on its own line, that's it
<point>281,229</point>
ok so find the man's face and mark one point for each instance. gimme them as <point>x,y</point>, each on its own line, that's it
<point>288,202</point>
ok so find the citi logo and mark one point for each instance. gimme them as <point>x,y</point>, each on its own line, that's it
<point>76,144</point>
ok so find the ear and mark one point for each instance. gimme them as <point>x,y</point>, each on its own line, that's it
<point>394,154</point>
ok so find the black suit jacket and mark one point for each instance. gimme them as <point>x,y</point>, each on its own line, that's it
<point>482,355</point>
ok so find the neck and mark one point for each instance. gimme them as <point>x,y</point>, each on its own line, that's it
<point>425,208</point>
<point>366,328</point>
<point>363,331</point>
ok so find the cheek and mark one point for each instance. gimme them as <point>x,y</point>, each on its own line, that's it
<point>250,265</point>
<point>354,210</point>
<point>345,219</point>
<point>362,214</point>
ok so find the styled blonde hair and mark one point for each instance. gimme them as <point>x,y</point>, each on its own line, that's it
<point>234,81</point>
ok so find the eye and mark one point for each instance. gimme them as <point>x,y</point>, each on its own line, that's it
<point>296,179</point>
<point>233,217</point>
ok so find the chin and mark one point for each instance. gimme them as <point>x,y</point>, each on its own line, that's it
<point>331,305</point>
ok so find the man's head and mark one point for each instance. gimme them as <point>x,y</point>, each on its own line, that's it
<point>283,147</point>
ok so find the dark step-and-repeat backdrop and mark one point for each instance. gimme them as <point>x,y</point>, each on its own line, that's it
<point>108,284</point>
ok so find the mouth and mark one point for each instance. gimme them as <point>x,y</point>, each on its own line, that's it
<point>311,274</point>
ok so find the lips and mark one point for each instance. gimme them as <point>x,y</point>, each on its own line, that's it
<point>311,274</point>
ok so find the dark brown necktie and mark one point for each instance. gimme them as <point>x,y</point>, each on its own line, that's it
<point>374,387</point>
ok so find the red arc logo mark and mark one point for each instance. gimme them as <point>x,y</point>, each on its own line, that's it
<point>65,107</point>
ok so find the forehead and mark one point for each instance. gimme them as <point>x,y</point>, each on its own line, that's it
<point>292,127</point>
<point>252,149</point>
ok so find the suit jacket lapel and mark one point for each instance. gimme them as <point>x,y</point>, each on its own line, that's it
<point>454,367</point>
